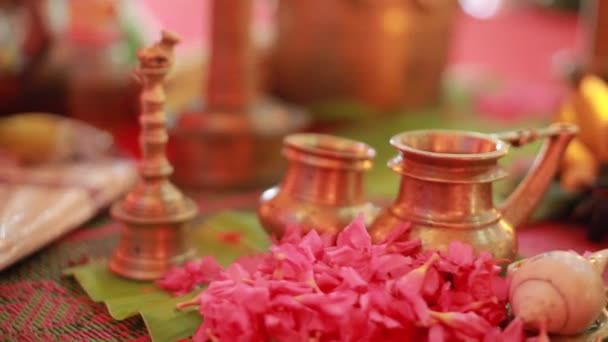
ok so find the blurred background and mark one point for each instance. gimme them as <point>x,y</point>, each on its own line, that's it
<point>342,59</point>
<point>365,69</point>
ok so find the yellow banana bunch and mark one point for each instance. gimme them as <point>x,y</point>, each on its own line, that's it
<point>586,107</point>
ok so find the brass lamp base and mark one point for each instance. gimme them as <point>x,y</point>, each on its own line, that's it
<point>147,249</point>
<point>232,150</point>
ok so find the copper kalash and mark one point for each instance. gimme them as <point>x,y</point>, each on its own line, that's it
<point>154,213</point>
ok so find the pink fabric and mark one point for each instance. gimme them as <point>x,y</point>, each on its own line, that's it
<point>548,236</point>
<point>519,44</point>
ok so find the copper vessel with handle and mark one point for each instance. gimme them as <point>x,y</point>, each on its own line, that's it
<point>446,186</point>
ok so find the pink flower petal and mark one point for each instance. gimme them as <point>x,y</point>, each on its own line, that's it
<point>493,335</point>
<point>250,263</point>
<point>437,333</point>
<point>256,299</point>
<point>405,247</point>
<point>353,279</point>
<point>335,304</point>
<point>413,280</point>
<point>282,326</point>
<point>204,270</point>
<point>514,332</point>
<point>177,281</point>
<point>355,235</point>
<point>289,287</point>
<point>313,244</point>
<point>467,324</point>
<point>385,321</point>
<point>390,266</point>
<point>460,254</point>
<point>398,234</point>
<point>432,285</point>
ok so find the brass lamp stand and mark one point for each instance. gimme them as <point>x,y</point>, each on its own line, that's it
<point>235,141</point>
<point>154,213</point>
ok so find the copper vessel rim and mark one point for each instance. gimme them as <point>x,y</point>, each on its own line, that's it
<point>326,145</point>
<point>501,147</point>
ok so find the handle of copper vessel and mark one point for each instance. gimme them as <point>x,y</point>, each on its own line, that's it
<point>526,136</point>
<point>519,205</point>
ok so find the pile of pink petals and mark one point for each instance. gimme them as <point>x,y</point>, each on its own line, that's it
<point>313,288</point>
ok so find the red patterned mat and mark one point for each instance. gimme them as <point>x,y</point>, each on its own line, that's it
<point>37,304</point>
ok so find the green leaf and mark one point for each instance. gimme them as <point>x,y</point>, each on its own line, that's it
<point>125,298</point>
<point>208,238</point>
<point>165,323</point>
<point>100,284</point>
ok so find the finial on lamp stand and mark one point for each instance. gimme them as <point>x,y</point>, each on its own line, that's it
<point>154,213</point>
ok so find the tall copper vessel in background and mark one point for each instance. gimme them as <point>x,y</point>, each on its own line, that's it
<point>382,53</point>
<point>234,140</point>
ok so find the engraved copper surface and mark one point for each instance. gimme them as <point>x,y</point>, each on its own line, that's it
<point>154,213</point>
<point>446,186</point>
<point>323,188</point>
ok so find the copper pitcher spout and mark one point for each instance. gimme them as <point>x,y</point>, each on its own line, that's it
<point>518,207</point>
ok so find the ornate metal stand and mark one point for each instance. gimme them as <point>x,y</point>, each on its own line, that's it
<point>236,140</point>
<point>154,213</point>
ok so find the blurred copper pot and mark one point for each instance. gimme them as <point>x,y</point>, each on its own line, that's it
<point>383,53</point>
<point>323,188</point>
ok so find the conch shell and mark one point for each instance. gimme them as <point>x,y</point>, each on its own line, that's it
<point>561,290</point>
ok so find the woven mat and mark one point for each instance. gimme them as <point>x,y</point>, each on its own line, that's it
<point>38,304</point>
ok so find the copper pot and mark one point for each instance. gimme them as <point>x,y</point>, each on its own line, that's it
<point>323,188</point>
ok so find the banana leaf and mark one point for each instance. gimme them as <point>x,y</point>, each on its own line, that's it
<point>126,298</point>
